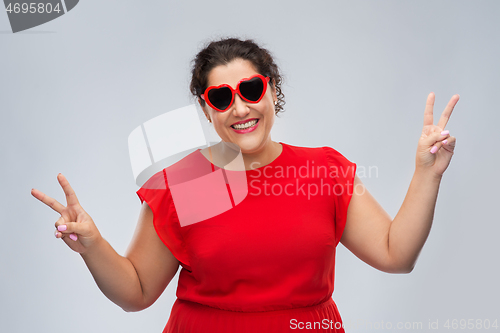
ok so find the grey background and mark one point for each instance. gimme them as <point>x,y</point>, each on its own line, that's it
<point>357,77</point>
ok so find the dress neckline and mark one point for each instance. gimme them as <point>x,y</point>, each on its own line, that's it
<point>277,159</point>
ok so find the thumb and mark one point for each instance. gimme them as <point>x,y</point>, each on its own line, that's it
<point>433,138</point>
<point>74,228</point>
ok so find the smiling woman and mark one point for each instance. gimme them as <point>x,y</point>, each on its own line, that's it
<point>238,86</point>
<point>266,263</point>
<point>246,124</point>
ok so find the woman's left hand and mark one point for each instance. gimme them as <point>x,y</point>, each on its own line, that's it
<point>436,145</point>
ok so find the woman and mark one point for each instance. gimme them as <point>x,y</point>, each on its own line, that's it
<point>267,263</point>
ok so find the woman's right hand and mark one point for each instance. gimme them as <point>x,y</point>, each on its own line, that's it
<point>75,227</point>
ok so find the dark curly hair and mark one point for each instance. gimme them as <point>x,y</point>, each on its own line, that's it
<point>222,52</point>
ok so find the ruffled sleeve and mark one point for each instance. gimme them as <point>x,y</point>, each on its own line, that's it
<point>159,198</point>
<point>342,173</point>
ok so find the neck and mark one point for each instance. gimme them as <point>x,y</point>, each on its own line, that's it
<point>224,155</point>
<point>263,157</point>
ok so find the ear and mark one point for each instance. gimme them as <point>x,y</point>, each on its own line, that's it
<point>203,108</point>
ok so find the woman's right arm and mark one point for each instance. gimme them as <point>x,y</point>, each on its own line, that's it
<point>136,280</point>
<point>133,281</point>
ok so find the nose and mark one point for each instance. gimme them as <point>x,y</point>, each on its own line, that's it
<point>240,107</point>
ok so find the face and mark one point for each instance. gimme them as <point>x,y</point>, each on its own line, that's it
<point>257,138</point>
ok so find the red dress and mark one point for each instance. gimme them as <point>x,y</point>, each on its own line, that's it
<point>268,264</point>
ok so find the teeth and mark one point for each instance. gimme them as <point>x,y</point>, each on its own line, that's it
<point>245,125</point>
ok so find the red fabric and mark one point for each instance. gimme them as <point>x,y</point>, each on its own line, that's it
<point>267,264</point>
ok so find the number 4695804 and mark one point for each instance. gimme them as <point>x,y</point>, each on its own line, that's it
<point>471,324</point>
<point>32,8</point>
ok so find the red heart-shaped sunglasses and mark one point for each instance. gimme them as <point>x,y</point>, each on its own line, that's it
<point>250,89</point>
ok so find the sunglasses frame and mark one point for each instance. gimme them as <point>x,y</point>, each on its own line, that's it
<point>264,79</point>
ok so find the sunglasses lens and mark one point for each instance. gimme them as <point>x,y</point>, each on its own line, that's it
<point>252,89</point>
<point>220,98</point>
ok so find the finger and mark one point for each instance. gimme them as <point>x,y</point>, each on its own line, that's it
<point>435,148</point>
<point>66,233</point>
<point>451,140</point>
<point>447,144</point>
<point>51,202</point>
<point>71,198</point>
<point>428,117</point>
<point>434,137</point>
<point>445,116</point>
<point>450,144</point>
<point>59,222</point>
<point>73,236</point>
<point>437,145</point>
<point>69,228</point>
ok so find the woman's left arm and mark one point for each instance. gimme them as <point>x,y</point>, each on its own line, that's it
<point>393,245</point>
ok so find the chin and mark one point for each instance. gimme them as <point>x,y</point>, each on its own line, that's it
<point>249,146</point>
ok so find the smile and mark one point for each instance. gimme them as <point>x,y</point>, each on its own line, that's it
<point>246,127</point>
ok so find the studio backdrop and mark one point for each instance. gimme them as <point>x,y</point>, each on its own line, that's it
<point>75,85</point>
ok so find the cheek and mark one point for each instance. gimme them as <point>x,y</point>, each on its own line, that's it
<point>219,123</point>
<point>271,120</point>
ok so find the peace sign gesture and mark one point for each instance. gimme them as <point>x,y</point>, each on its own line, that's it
<point>436,146</point>
<point>75,227</point>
